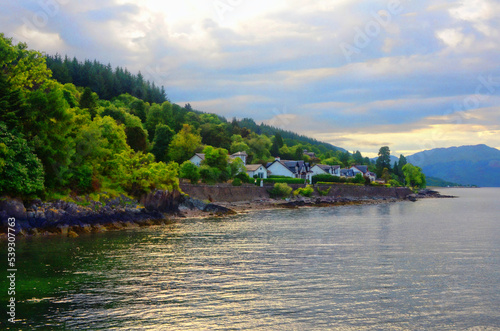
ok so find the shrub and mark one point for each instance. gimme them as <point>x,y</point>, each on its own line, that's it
<point>324,193</point>
<point>287,180</point>
<point>325,178</point>
<point>189,171</point>
<point>243,176</point>
<point>280,190</point>
<point>359,179</point>
<point>304,191</point>
<point>236,182</point>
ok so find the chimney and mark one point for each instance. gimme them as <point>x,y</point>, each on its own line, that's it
<point>277,158</point>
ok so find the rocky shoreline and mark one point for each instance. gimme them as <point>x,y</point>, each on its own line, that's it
<point>159,207</point>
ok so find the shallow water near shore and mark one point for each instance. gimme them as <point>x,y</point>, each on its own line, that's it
<point>431,264</point>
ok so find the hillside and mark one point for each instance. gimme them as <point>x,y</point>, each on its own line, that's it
<point>466,165</point>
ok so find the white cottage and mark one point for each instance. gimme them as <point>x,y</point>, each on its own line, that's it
<point>197,158</point>
<point>256,170</point>
<point>320,169</point>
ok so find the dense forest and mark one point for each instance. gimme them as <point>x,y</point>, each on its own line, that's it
<point>81,128</point>
<point>103,80</point>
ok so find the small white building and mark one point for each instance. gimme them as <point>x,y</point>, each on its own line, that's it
<point>320,169</point>
<point>197,158</point>
<point>242,155</point>
<point>256,170</point>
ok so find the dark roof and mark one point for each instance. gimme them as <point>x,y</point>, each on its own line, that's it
<point>362,168</point>
<point>292,165</point>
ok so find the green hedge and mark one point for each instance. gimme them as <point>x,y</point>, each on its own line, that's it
<point>287,180</point>
<point>325,178</point>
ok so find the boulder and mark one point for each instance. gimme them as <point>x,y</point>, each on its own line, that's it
<point>11,208</point>
<point>162,201</point>
<point>219,210</point>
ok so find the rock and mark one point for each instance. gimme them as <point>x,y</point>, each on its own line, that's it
<point>12,208</point>
<point>190,203</point>
<point>412,197</point>
<point>162,201</point>
<point>218,210</point>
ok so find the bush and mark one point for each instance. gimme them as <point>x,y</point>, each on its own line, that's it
<point>236,182</point>
<point>281,190</point>
<point>189,171</point>
<point>287,180</point>
<point>243,176</point>
<point>325,178</point>
<point>324,193</point>
<point>209,175</point>
<point>359,179</point>
<point>304,191</point>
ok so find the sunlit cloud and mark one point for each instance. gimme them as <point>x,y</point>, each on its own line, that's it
<point>429,75</point>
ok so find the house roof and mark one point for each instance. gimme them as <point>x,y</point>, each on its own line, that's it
<point>253,167</point>
<point>200,155</point>
<point>347,172</point>
<point>292,165</point>
<point>361,168</point>
<point>239,154</point>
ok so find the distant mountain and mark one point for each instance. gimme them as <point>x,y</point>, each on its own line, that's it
<point>466,165</point>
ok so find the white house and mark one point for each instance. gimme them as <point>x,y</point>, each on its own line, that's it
<point>197,158</point>
<point>277,168</point>
<point>325,169</point>
<point>290,168</point>
<point>362,169</point>
<point>256,170</point>
<point>242,155</point>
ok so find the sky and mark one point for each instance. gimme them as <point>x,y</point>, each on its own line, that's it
<point>411,75</point>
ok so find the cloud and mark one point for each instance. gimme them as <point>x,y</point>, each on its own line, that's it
<point>281,62</point>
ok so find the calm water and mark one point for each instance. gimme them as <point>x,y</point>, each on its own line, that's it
<point>429,265</point>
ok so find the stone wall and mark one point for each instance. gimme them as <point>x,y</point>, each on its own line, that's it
<point>229,193</point>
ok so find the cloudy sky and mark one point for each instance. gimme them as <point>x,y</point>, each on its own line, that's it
<point>412,75</point>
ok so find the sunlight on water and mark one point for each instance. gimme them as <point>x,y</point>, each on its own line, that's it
<point>433,264</point>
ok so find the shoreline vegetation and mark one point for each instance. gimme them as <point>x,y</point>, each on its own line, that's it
<point>86,216</point>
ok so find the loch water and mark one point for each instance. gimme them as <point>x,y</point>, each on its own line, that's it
<point>433,264</point>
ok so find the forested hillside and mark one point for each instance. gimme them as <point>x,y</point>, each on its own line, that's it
<point>103,80</point>
<point>58,136</point>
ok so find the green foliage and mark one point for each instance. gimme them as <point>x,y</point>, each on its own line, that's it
<point>288,180</point>
<point>184,144</point>
<point>189,171</point>
<point>383,160</point>
<point>138,173</point>
<point>304,191</point>
<point>209,175</point>
<point>324,193</point>
<point>280,190</point>
<point>325,178</point>
<point>395,183</point>
<point>161,142</point>
<point>243,176</point>
<point>108,83</point>
<point>358,179</point>
<point>414,176</point>
<point>216,157</point>
<point>236,167</point>
<point>236,182</point>
<point>21,172</point>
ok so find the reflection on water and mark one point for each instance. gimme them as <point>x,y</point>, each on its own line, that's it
<point>434,264</point>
